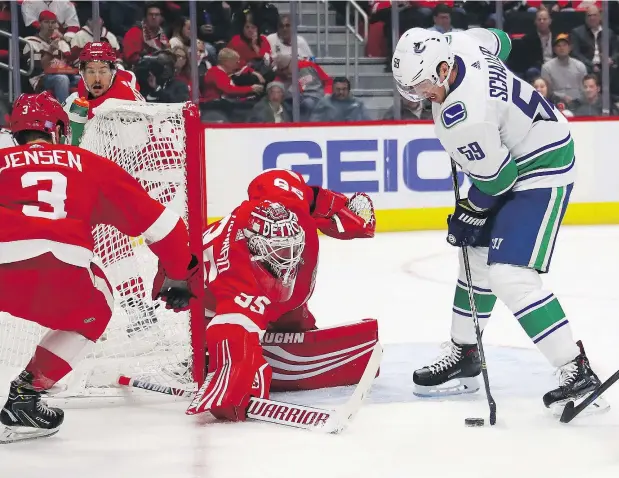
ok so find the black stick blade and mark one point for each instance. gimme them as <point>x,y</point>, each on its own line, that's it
<point>568,413</point>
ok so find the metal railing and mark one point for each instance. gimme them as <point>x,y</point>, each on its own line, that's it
<point>354,30</point>
<point>8,67</point>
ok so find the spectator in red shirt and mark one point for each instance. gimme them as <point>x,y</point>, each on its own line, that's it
<point>221,95</point>
<point>253,47</point>
<point>218,82</point>
<point>147,37</point>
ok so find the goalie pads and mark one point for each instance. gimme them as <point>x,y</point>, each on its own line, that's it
<point>238,369</point>
<point>330,357</point>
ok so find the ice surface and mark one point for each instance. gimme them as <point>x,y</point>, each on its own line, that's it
<point>406,281</point>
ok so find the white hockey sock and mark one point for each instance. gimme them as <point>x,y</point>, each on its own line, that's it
<point>538,311</point>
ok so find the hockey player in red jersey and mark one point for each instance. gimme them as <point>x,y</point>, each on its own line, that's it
<point>51,195</point>
<point>102,78</point>
<point>261,263</point>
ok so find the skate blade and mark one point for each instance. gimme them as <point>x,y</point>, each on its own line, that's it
<point>17,434</point>
<point>458,386</point>
<point>597,407</point>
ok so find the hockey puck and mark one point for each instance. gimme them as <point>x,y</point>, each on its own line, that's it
<point>474,422</point>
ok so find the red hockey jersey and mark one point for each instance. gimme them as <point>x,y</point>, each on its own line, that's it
<point>52,195</point>
<point>231,286</point>
<point>123,88</point>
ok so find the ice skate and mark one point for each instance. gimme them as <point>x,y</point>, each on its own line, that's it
<point>576,381</point>
<point>24,416</point>
<point>453,373</point>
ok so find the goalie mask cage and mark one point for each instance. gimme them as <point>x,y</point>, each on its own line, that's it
<point>161,145</point>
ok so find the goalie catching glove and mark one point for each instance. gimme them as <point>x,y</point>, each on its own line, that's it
<point>343,218</point>
<point>176,293</point>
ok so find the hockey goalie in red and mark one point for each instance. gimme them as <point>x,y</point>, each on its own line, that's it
<point>51,195</point>
<point>261,265</point>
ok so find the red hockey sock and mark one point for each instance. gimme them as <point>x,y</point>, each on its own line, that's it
<point>47,369</point>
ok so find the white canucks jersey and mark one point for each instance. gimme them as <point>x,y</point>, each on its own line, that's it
<point>501,132</point>
<point>6,139</point>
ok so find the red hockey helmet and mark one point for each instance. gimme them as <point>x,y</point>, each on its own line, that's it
<point>277,182</point>
<point>40,112</point>
<point>97,51</point>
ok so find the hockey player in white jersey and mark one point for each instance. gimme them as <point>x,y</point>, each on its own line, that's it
<point>6,139</point>
<point>517,150</point>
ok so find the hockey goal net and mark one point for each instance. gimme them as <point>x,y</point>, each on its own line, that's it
<point>160,145</point>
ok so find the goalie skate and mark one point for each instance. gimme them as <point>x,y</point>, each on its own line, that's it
<point>454,372</point>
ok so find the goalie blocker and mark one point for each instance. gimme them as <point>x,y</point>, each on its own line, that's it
<point>330,357</point>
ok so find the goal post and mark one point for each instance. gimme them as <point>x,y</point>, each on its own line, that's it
<point>162,146</point>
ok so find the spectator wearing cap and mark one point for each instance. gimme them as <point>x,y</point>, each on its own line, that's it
<point>314,83</point>
<point>270,109</point>
<point>64,11</point>
<point>340,106</point>
<point>281,42</point>
<point>86,35</point>
<point>147,37</point>
<point>564,72</point>
<point>591,105</point>
<point>49,53</point>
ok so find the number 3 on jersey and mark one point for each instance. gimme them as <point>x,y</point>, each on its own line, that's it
<point>54,197</point>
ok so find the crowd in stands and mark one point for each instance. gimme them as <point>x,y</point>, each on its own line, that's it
<point>245,56</point>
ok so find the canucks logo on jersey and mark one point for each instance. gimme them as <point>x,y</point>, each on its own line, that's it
<point>453,114</point>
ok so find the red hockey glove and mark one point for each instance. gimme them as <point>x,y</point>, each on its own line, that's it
<point>343,218</point>
<point>176,293</point>
<point>327,202</point>
<point>237,371</point>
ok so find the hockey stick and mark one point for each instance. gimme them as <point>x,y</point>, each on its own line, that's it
<point>297,416</point>
<point>469,284</point>
<point>571,411</point>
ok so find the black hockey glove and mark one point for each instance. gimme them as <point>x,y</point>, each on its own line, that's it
<point>176,293</point>
<point>466,224</point>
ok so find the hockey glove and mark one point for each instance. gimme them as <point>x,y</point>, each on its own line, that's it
<point>336,217</point>
<point>176,293</point>
<point>466,224</point>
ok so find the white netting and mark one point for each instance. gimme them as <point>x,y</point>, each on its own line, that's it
<point>143,339</point>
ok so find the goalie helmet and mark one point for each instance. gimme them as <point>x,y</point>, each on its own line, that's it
<point>416,61</point>
<point>39,112</point>
<point>276,241</point>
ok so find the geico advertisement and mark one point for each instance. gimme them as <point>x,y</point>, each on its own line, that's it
<point>401,166</point>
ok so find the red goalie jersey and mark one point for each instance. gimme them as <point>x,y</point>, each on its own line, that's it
<point>261,265</point>
<point>228,261</point>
